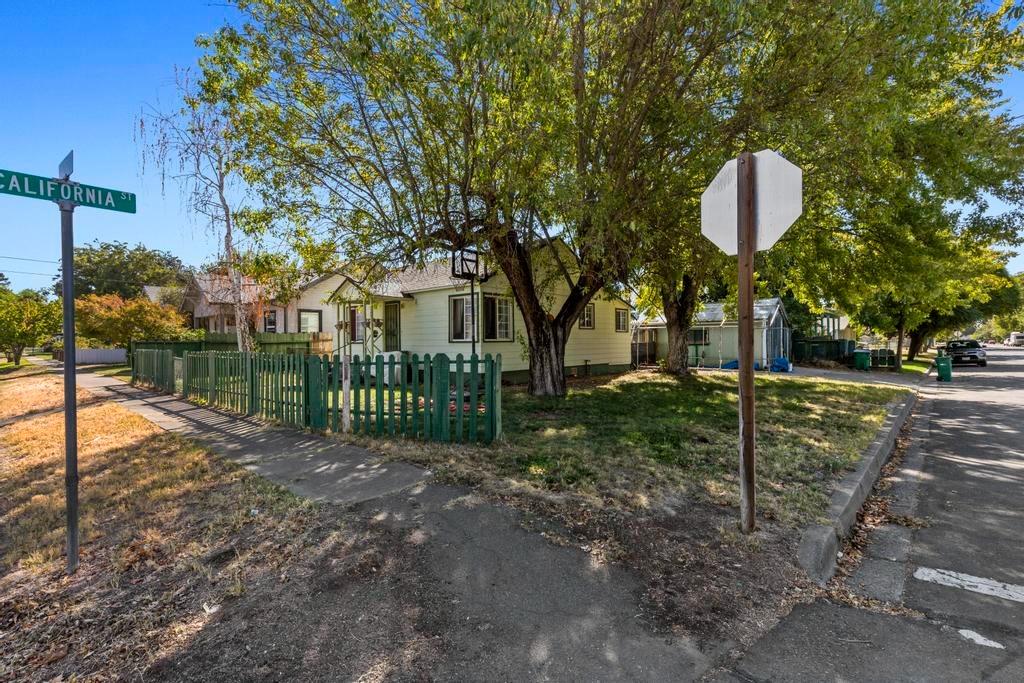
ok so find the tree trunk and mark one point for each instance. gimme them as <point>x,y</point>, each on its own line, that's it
<point>16,352</point>
<point>547,361</point>
<point>241,310</point>
<point>916,341</point>
<point>679,301</point>
<point>235,277</point>
<point>546,334</point>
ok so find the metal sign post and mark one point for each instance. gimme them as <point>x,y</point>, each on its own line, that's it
<point>67,265</point>
<point>751,202</point>
<point>68,195</point>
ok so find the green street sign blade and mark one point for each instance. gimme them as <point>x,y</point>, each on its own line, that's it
<point>51,189</point>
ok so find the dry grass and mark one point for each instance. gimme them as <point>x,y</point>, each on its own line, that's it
<point>33,391</point>
<point>169,532</point>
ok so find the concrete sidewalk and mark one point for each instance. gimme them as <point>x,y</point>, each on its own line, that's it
<point>515,606</point>
<point>963,569</point>
<point>308,465</point>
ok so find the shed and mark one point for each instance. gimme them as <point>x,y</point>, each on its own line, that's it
<point>713,339</point>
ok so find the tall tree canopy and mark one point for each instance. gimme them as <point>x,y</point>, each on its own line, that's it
<point>387,130</point>
<point>116,268</point>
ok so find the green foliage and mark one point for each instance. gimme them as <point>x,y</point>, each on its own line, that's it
<point>1011,317</point>
<point>117,322</point>
<point>116,268</point>
<point>26,319</point>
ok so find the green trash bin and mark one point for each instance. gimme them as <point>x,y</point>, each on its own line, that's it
<point>862,359</point>
<point>944,369</point>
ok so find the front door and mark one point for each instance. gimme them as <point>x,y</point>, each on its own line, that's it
<point>392,326</point>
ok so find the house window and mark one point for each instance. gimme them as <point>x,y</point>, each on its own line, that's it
<point>356,323</point>
<point>460,319</point>
<point>587,317</point>
<point>309,321</point>
<point>621,320</point>
<point>270,321</point>
<point>697,336</point>
<point>497,318</point>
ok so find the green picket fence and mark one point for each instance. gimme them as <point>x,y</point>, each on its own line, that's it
<point>154,368</point>
<point>433,398</point>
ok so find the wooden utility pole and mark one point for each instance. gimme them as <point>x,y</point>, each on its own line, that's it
<point>746,242</point>
<point>751,202</point>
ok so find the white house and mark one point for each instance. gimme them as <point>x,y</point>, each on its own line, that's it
<point>427,310</point>
<point>713,340</point>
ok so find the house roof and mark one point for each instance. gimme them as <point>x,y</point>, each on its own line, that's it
<point>412,279</point>
<point>153,292</point>
<point>217,288</point>
<point>714,313</point>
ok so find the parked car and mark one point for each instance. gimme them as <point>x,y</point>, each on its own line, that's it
<point>966,351</point>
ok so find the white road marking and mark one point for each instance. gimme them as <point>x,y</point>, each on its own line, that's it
<point>977,584</point>
<point>976,637</point>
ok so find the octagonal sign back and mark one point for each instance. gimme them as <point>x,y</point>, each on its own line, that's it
<point>778,201</point>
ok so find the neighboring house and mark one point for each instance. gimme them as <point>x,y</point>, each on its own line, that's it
<point>713,340</point>
<point>208,300</point>
<point>427,310</point>
<point>833,325</point>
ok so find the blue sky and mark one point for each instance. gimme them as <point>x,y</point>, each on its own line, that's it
<point>76,75</point>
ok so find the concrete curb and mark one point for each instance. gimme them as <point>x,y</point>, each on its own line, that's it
<point>819,543</point>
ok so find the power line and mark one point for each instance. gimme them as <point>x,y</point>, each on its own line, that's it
<point>25,272</point>
<point>22,258</point>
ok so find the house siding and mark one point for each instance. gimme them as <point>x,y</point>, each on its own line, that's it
<point>315,298</point>
<point>424,327</point>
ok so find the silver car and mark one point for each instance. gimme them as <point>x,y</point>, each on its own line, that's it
<point>966,351</point>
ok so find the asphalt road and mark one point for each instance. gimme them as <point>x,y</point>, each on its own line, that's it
<point>964,571</point>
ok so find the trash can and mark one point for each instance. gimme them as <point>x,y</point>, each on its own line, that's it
<point>944,369</point>
<point>862,359</point>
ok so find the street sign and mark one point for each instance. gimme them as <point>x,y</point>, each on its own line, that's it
<point>67,167</point>
<point>68,195</point>
<point>747,207</point>
<point>778,202</point>
<point>54,190</point>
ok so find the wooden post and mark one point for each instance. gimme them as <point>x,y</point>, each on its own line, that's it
<point>747,246</point>
<point>346,393</point>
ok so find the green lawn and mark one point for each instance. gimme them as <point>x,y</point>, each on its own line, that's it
<point>626,439</point>
<point>8,369</point>
<point>919,365</point>
<point>119,371</point>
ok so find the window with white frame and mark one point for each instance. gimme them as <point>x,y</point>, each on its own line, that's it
<point>587,317</point>
<point>497,318</point>
<point>621,320</point>
<point>460,319</point>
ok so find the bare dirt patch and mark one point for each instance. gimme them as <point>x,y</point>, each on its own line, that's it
<point>191,568</point>
<point>32,393</point>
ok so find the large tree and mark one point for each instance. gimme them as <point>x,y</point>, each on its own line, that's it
<point>398,129</point>
<point>891,110</point>
<point>116,321</point>
<point>117,268</point>
<point>192,144</point>
<point>26,319</point>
